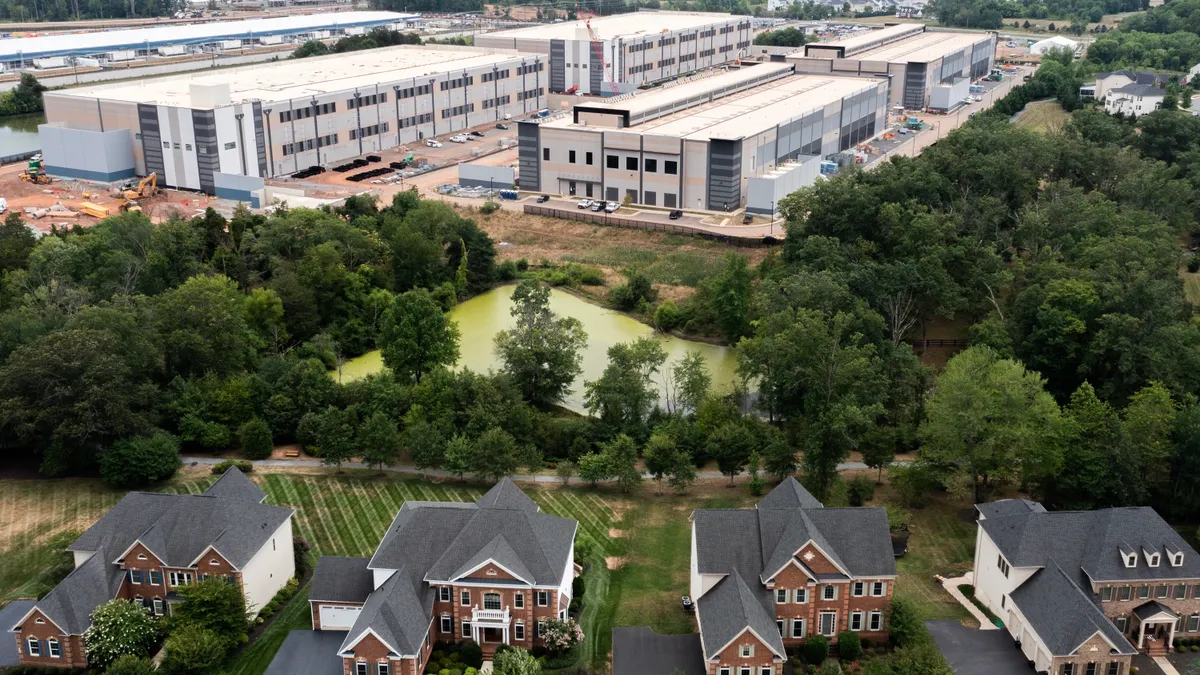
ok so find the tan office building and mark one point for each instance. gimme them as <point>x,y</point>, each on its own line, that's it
<point>632,49</point>
<point>694,145</point>
<point>913,58</point>
<point>275,119</point>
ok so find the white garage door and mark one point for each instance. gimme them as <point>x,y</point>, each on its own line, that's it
<point>338,618</point>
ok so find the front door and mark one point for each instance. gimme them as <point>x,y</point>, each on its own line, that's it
<point>1160,631</point>
<point>493,635</point>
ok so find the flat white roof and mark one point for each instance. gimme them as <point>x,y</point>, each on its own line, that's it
<point>618,26</point>
<point>748,112</point>
<point>867,37</point>
<point>80,44</point>
<point>666,96</point>
<point>304,78</point>
<point>927,46</point>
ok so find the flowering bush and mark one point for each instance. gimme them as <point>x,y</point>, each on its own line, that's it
<point>561,635</point>
<point>120,627</point>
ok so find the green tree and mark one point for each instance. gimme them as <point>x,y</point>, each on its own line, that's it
<point>878,450</point>
<point>214,604</point>
<point>417,336</point>
<point>1148,423</point>
<point>330,435</point>
<point>131,665</point>
<point>428,448</point>
<point>565,469</point>
<point>1091,474</point>
<point>732,443</point>
<point>659,455</point>
<point>593,468</point>
<point>193,650</point>
<point>729,297</point>
<point>458,456</point>
<point>495,455</point>
<point>624,395</point>
<point>119,627</point>
<point>682,473</point>
<point>541,353</point>
<point>516,661</point>
<point>265,315</point>
<point>310,48</point>
<point>621,458</point>
<point>690,382</point>
<point>379,440</point>
<point>16,242</point>
<point>921,659</point>
<point>779,457</point>
<point>905,628</point>
<point>140,461</point>
<point>990,421</point>
<point>203,327</point>
<point>255,438</point>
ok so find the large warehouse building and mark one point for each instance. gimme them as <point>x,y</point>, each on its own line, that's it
<point>269,120</point>
<point>697,144</point>
<point>917,61</point>
<point>631,49</point>
<point>124,45</point>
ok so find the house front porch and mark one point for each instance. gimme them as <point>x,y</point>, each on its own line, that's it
<point>1156,628</point>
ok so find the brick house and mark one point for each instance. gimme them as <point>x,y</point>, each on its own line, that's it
<point>767,577</point>
<point>148,545</point>
<point>1083,591</point>
<point>491,572</point>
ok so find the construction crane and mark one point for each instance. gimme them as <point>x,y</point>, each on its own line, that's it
<point>598,52</point>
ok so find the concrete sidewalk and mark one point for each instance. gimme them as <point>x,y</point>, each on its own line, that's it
<point>951,586</point>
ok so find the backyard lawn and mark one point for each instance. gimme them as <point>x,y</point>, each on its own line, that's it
<point>1043,116</point>
<point>638,545</point>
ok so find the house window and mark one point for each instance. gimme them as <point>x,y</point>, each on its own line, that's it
<point>141,556</point>
<point>1176,559</point>
<point>546,154</point>
<point>33,647</point>
<point>1002,565</point>
<point>1106,594</point>
<point>766,670</point>
<point>187,146</point>
<point>519,630</point>
<point>781,596</point>
<point>801,596</point>
<point>466,629</point>
<point>571,156</point>
<point>827,623</point>
<point>444,594</point>
<point>1123,593</point>
<point>384,669</point>
<point>1159,592</point>
<point>213,562</point>
<point>539,629</point>
<point>175,145</point>
<point>1090,669</point>
<point>1180,592</point>
<point>1131,560</point>
<point>1151,560</point>
<point>1144,591</point>
<point>856,620</point>
<point>1193,623</point>
<point>464,598</point>
<point>1114,668</point>
<point>631,163</point>
<point>53,647</point>
<point>1068,669</point>
<point>360,668</point>
<point>612,161</point>
<point>1122,622</point>
<point>797,628</point>
<point>135,576</point>
<point>745,671</point>
<point>491,601</point>
<point>542,598</point>
<point>180,578</point>
<point>587,158</point>
<point>858,589</point>
<point>875,621</point>
<point>158,606</point>
<point>166,146</point>
<point>652,166</point>
<point>155,578</point>
<point>879,588</point>
<point>519,600</point>
<point>670,167</point>
<point>779,625</point>
<point>746,651</point>
<point>724,671</point>
<point>446,624</point>
<point>829,592</point>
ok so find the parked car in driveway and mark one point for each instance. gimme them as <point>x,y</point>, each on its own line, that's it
<point>598,206</point>
<point>611,207</point>
<point>675,215</point>
<point>584,204</point>
<point>477,134</point>
<point>542,199</point>
<point>433,144</point>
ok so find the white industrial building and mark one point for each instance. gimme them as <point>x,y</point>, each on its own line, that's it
<point>630,49</point>
<point>56,51</point>
<point>915,60</point>
<point>268,120</point>
<point>698,144</point>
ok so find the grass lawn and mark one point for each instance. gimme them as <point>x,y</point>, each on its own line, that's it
<point>1043,116</point>
<point>1191,286</point>
<point>254,659</point>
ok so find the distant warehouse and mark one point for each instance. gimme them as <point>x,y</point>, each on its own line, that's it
<point>699,144</point>
<point>631,49</point>
<point>272,119</point>
<point>919,62</point>
<point>123,45</point>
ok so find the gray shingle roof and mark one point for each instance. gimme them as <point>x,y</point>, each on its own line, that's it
<point>1137,89</point>
<point>1062,614</point>
<point>234,484</point>
<point>729,608</point>
<point>789,494</point>
<point>339,579</point>
<point>506,495</point>
<point>1009,507</point>
<point>398,612</point>
<point>1149,609</point>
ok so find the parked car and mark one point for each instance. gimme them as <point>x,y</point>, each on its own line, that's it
<point>611,207</point>
<point>675,215</point>
<point>688,605</point>
<point>542,199</point>
<point>502,126</point>
<point>584,204</point>
<point>458,138</point>
<point>599,206</point>
<point>747,219</point>
<point>477,134</point>
<point>433,144</point>
<point>978,98</point>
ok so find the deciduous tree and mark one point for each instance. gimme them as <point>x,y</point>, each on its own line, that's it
<point>541,353</point>
<point>417,336</point>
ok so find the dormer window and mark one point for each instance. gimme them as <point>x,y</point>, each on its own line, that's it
<point>1130,559</point>
<point>1152,558</point>
<point>1176,559</point>
<point>213,562</point>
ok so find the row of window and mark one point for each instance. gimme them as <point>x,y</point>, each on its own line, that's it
<point>687,38</point>
<point>744,44</point>
<point>497,102</point>
<point>413,121</point>
<point>687,57</point>
<point>746,670</point>
<point>307,112</point>
<point>705,53</point>
<point>495,76</point>
<point>381,668</point>
<point>633,49</point>
<point>457,83</point>
<point>454,111</point>
<point>708,33</point>
<point>725,30</point>
<point>826,625</point>
<point>670,166</point>
<point>725,48</point>
<point>373,130</point>
<point>1114,668</point>
<point>858,589</point>
<point>666,62</point>
<point>540,598</point>
<point>531,68</point>
<point>410,92</point>
<point>153,605</point>
<point>373,99</point>
<point>203,149</point>
<point>1144,592</point>
<point>532,93</point>
<point>310,144</point>
<point>33,647</point>
<point>666,42</point>
<point>640,69</point>
<point>446,625</point>
<point>1189,624</point>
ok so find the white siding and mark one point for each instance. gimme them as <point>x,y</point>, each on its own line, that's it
<point>568,574</point>
<point>82,556</point>
<point>381,576</point>
<point>269,569</point>
<point>990,584</point>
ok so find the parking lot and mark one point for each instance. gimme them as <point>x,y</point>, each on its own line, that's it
<point>978,652</point>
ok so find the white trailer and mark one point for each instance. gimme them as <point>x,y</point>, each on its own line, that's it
<point>51,62</point>
<point>231,44</point>
<point>271,39</point>
<point>120,55</point>
<point>172,50</point>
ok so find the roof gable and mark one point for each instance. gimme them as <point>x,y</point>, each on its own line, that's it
<point>1062,614</point>
<point>731,608</point>
<point>506,495</point>
<point>789,494</point>
<point>396,613</point>
<point>499,553</point>
<point>233,484</point>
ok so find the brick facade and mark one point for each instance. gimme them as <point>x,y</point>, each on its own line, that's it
<point>528,614</point>
<point>372,652</point>
<point>845,602</point>
<point>71,650</point>
<point>731,657</point>
<point>1140,593</point>
<point>1097,651</point>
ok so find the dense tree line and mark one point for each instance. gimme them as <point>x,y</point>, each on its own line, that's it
<point>784,37</point>
<point>67,10</point>
<point>376,37</point>
<point>990,14</point>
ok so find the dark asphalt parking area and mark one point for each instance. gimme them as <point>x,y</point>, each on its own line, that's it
<point>978,652</point>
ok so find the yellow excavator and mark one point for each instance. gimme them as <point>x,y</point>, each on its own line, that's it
<point>129,193</point>
<point>34,173</point>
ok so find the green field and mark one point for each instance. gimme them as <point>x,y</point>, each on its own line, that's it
<point>637,566</point>
<point>1043,116</point>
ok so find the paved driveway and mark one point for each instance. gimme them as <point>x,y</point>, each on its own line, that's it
<point>9,615</point>
<point>978,652</point>
<point>309,652</point>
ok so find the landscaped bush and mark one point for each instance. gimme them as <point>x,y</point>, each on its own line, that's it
<point>256,440</point>
<point>561,636</point>
<point>135,462</point>
<point>300,549</point>
<point>242,465</point>
<point>281,598</point>
<point>849,648</point>
<point>860,490</point>
<point>904,625</point>
<point>816,649</point>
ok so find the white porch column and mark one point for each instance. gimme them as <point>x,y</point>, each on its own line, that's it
<point>506,635</point>
<point>1171,636</point>
<point>1141,634</point>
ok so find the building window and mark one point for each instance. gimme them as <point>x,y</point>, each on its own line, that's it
<point>187,146</point>
<point>1106,594</point>
<point>446,624</point>
<point>519,600</point>
<point>587,158</point>
<point>175,146</point>
<point>1068,669</point>
<point>166,146</point>
<point>539,628</point>
<point>724,671</point>
<point>384,669</point>
<point>669,200</point>
<point>1193,623</point>
<point>491,601</point>
<point>571,156</point>
<point>856,619</point>
<point>746,651</point>
<point>519,630</point>
<point>1122,622</point>
<point>766,670</point>
<point>1123,593</point>
<point>464,598</point>
<point>801,596</point>
<point>1090,669</point>
<point>360,668</point>
<point>779,625</point>
<point>135,576</point>
<point>745,671</point>
<point>1180,592</point>
<point>466,629</point>
<point>797,628</point>
<point>33,647</point>
<point>155,578</point>
<point>652,166</point>
<point>827,623</point>
<point>631,163</point>
<point>829,592</point>
<point>670,167</point>
<point>875,621</point>
<point>1114,668</point>
<point>180,578</point>
<point>650,198</point>
<point>546,154</point>
<point>1002,565</point>
<point>158,606</point>
<point>53,647</point>
<point>542,598</point>
<point>612,162</point>
<point>1144,591</point>
<point>781,596</point>
<point>1159,592</point>
<point>858,589</point>
<point>444,594</point>
<point>879,589</point>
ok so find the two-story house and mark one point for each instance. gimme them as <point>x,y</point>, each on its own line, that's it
<point>493,572</point>
<point>1082,591</point>
<point>765,578</point>
<point>148,545</point>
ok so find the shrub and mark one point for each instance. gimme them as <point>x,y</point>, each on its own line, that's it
<point>471,654</point>
<point>507,270</point>
<point>1193,264</point>
<point>667,316</point>
<point>577,587</point>
<point>561,636</point>
<point>134,462</point>
<point>281,598</point>
<point>119,627</point>
<point>489,207</point>
<point>193,650</point>
<point>130,665</point>
<point>242,465</point>
<point>849,648</point>
<point>860,490</point>
<point>216,606</point>
<point>522,265</point>
<point>816,649</point>
<point>904,625</point>
<point>255,437</point>
<point>300,549</point>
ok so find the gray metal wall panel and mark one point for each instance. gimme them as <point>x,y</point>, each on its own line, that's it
<point>558,66</point>
<point>260,139</point>
<point>595,72</point>
<point>204,124</point>
<point>724,175</point>
<point>151,139</point>
<point>529,144</point>
<point>914,86</point>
